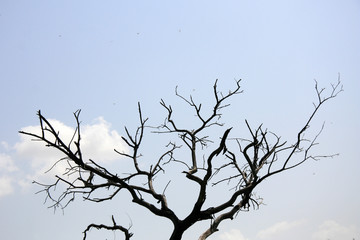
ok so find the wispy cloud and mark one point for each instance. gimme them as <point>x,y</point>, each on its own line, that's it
<point>7,168</point>
<point>333,230</point>
<point>279,228</point>
<point>7,164</point>
<point>233,234</point>
<point>6,186</point>
<point>298,229</point>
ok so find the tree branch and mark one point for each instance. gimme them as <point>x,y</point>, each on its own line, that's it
<point>114,227</point>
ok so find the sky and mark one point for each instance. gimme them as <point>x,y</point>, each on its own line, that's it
<point>105,57</point>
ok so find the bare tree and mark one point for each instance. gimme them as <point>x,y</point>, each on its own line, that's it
<point>244,162</point>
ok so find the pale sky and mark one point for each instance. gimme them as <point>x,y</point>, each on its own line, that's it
<point>105,56</point>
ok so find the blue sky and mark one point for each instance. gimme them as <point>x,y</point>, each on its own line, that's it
<point>104,57</point>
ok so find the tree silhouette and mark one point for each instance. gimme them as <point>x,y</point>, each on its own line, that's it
<point>240,163</point>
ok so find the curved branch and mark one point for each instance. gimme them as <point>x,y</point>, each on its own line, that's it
<point>114,227</point>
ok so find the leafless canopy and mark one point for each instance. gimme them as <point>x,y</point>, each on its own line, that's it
<point>251,162</point>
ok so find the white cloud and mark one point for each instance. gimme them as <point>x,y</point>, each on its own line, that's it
<point>5,145</point>
<point>332,230</point>
<point>7,164</point>
<point>34,159</point>
<point>6,186</point>
<point>7,167</point>
<point>97,142</point>
<point>278,228</point>
<point>233,234</point>
<point>35,155</point>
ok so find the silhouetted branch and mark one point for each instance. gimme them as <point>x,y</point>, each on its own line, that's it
<point>114,227</point>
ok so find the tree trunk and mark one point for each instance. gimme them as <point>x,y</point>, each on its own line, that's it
<point>177,233</point>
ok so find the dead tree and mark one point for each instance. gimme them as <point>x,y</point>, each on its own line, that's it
<point>245,164</point>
